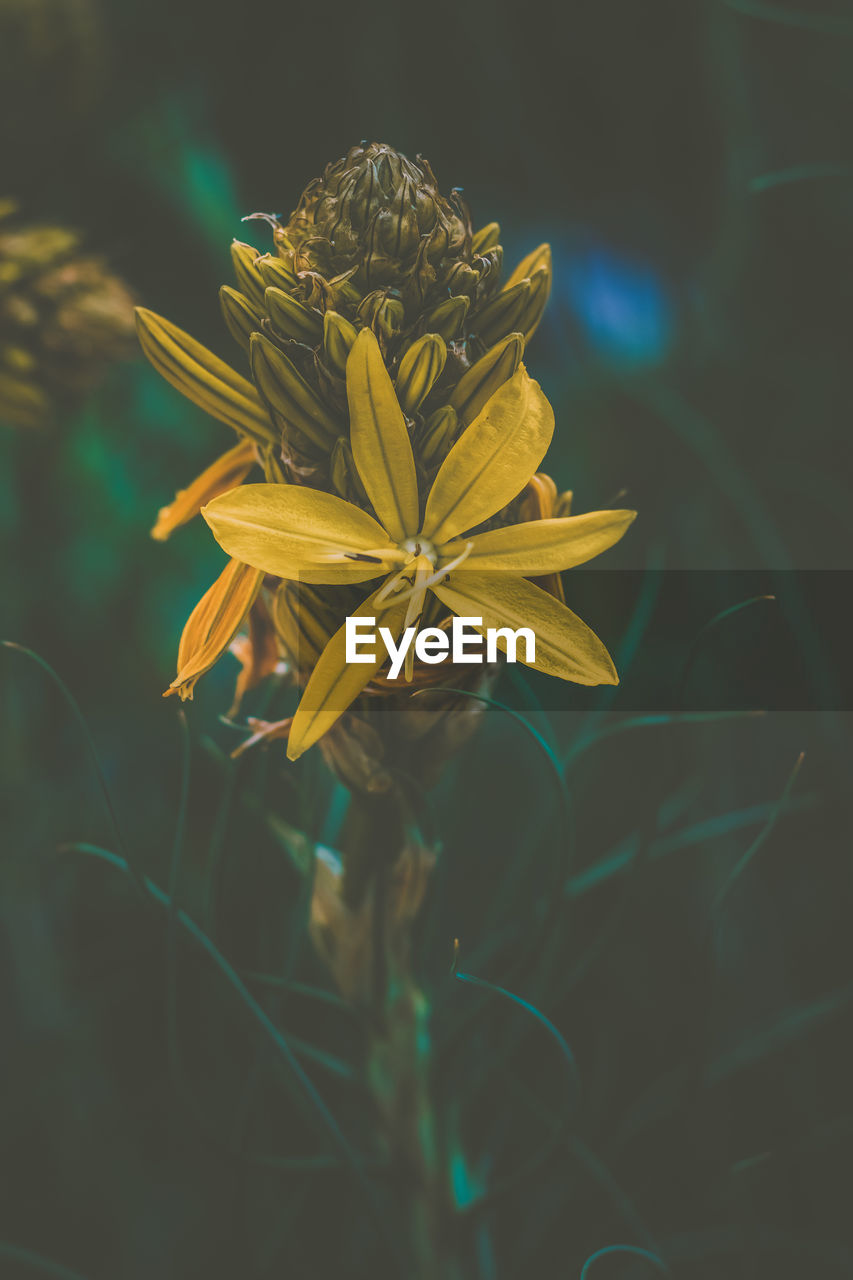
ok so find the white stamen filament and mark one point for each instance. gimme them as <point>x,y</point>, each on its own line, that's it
<point>430,581</point>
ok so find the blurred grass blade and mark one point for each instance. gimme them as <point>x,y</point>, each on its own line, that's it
<point>632,1249</point>
<point>38,1265</point>
<point>824,23</point>
<point>797,173</point>
<point>696,834</point>
<point>300,989</point>
<point>652,721</point>
<point>544,746</point>
<point>772,817</point>
<point>784,1031</point>
<point>702,634</point>
<point>74,706</point>
<point>559,847</point>
<point>540,1017</point>
<point>318,1107</point>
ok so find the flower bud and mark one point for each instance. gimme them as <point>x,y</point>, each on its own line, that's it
<point>277,271</point>
<point>420,367</point>
<point>291,319</point>
<point>289,395</point>
<point>249,278</point>
<point>448,318</point>
<point>345,478</point>
<point>338,337</point>
<point>482,380</point>
<point>383,314</point>
<point>540,287</point>
<point>501,315</point>
<point>437,436</point>
<point>240,316</point>
<point>486,238</point>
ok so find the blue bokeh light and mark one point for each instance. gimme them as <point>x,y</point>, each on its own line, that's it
<point>617,304</point>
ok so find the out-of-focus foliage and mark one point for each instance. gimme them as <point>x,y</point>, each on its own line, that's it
<point>64,318</point>
<point>685,932</point>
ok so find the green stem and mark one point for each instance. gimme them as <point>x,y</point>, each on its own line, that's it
<point>400,1050</point>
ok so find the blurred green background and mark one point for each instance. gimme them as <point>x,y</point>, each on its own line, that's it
<point>688,928</point>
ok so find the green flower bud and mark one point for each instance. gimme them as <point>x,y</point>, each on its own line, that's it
<point>291,319</point>
<point>502,314</point>
<point>249,278</point>
<point>486,238</point>
<point>345,478</point>
<point>448,318</point>
<point>420,367</point>
<point>437,436</point>
<point>482,380</point>
<point>240,316</point>
<point>289,395</point>
<point>338,337</point>
<point>277,271</point>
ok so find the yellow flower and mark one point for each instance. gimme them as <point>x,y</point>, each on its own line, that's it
<point>306,535</point>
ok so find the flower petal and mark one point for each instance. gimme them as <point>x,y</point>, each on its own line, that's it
<point>492,460</point>
<point>565,646</point>
<point>225,473</point>
<point>300,533</point>
<point>202,377</point>
<point>335,684</point>
<point>380,439</point>
<point>542,546</point>
<point>212,624</point>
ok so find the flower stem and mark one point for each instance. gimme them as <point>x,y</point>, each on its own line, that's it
<point>384,879</point>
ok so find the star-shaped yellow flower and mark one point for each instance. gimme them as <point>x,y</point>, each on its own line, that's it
<point>306,535</point>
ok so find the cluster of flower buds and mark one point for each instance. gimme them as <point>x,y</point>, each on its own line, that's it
<point>64,317</point>
<point>373,243</point>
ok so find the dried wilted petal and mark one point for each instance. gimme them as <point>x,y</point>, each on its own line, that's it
<point>263,732</point>
<point>257,653</point>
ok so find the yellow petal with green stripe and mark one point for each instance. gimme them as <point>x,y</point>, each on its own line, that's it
<point>565,646</point>
<point>492,460</point>
<point>202,377</point>
<point>380,439</point>
<point>541,546</point>
<point>335,684</point>
<point>299,533</point>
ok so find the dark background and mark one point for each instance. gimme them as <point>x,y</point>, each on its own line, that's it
<point>690,164</point>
